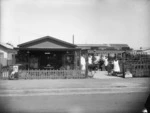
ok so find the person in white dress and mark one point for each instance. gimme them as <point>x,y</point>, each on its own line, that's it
<point>90,60</point>
<point>97,58</point>
<point>105,62</point>
<point>90,66</point>
<point>116,66</point>
<point>83,64</point>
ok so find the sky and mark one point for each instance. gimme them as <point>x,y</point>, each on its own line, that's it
<point>91,21</point>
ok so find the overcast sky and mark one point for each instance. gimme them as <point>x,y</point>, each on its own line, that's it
<point>91,21</point>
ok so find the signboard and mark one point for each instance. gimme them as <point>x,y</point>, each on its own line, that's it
<point>138,52</point>
<point>104,52</point>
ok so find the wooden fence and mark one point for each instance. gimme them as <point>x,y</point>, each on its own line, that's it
<point>140,68</point>
<point>46,74</point>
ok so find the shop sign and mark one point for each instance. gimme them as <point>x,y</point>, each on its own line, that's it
<point>103,52</point>
<point>138,52</point>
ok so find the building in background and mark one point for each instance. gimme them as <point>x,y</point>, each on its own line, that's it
<point>147,51</point>
<point>104,49</point>
<point>7,55</point>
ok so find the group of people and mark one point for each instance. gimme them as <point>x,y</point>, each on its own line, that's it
<point>111,66</point>
<point>101,63</point>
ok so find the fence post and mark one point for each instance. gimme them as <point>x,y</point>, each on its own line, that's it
<point>123,68</point>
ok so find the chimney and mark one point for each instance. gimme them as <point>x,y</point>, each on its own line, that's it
<point>73,39</point>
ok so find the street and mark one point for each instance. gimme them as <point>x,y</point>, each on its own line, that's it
<point>110,95</point>
<point>86,103</point>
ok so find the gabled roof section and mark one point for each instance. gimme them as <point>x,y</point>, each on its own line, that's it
<point>47,42</point>
<point>6,46</point>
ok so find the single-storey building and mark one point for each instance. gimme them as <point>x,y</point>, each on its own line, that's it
<point>7,55</point>
<point>147,51</point>
<point>104,49</point>
<point>48,53</point>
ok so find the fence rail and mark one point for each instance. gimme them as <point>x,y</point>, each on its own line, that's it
<point>46,74</point>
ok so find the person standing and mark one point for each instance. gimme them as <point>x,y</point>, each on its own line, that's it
<point>105,62</point>
<point>90,66</point>
<point>101,62</point>
<point>83,64</point>
<point>96,62</point>
<point>90,60</point>
<point>110,67</point>
<point>116,68</point>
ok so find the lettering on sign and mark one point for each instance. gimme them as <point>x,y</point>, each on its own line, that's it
<point>103,52</point>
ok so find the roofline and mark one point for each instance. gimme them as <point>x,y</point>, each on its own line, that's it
<point>91,44</point>
<point>108,45</point>
<point>47,48</point>
<point>46,37</point>
<point>6,47</point>
<point>146,49</point>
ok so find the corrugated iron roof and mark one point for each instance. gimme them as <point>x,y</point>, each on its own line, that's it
<point>115,46</point>
<point>6,45</point>
<point>92,45</point>
<point>46,37</point>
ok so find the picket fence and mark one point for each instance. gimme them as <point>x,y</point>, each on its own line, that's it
<point>46,74</point>
<point>4,73</point>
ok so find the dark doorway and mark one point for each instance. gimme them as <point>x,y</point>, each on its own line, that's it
<point>51,60</point>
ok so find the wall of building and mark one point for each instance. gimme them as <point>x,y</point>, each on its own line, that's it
<point>4,53</point>
<point>3,58</point>
<point>6,58</point>
<point>147,51</point>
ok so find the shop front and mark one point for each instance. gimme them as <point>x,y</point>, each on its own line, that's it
<point>53,59</point>
<point>48,53</point>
